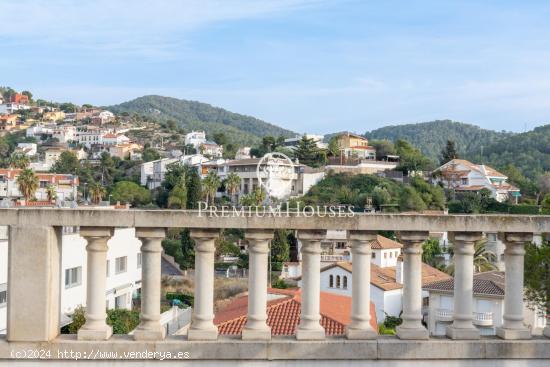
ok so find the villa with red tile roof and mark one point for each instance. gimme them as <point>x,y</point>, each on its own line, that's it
<point>283,313</point>
<point>66,185</point>
<point>463,175</point>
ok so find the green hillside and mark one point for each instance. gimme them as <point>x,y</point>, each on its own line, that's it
<point>192,115</point>
<point>431,137</point>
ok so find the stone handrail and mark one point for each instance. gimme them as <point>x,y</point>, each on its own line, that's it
<point>35,234</point>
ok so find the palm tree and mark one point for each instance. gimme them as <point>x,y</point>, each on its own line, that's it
<point>19,160</point>
<point>27,183</point>
<point>97,191</point>
<point>483,259</point>
<point>51,191</point>
<point>232,184</point>
<point>210,185</point>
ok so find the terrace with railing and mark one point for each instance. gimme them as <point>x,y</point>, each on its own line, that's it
<point>34,288</point>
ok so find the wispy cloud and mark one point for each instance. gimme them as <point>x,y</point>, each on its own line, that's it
<point>125,27</point>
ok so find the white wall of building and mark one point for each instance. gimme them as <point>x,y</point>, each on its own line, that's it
<point>386,257</point>
<point>73,255</point>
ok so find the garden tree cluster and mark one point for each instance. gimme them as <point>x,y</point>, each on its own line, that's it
<point>268,144</point>
<point>383,148</point>
<point>181,247</point>
<point>150,154</point>
<point>181,188</point>
<point>280,245</point>
<point>210,185</point>
<point>363,190</point>
<point>122,320</point>
<point>411,159</point>
<point>97,180</point>
<point>131,193</point>
<point>254,198</point>
<point>537,277</point>
<point>431,252</point>
<point>27,183</point>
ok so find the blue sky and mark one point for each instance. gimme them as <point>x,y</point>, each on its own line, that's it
<point>313,66</point>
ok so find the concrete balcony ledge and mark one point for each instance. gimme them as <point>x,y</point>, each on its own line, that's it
<point>232,349</point>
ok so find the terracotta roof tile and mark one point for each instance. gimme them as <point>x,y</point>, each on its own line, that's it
<point>488,283</point>
<point>382,242</point>
<point>283,315</point>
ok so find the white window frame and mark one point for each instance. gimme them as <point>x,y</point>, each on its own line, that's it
<point>73,277</point>
<point>118,262</point>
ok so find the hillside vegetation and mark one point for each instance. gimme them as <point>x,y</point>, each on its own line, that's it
<point>192,115</point>
<point>431,137</point>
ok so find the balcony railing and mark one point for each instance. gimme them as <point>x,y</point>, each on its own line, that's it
<point>483,318</point>
<point>34,283</point>
<point>478,318</point>
<point>443,314</point>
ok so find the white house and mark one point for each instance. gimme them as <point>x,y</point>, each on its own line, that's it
<point>28,149</point>
<point>243,153</point>
<point>64,133</point>
<point>10,108</point>
<point>211,149</point>
<point>66,185</point>
<point>463,176</point>
<point>110,139</point>
<point>123,271</point>
<point>195,138</point>
<point>487,302</point>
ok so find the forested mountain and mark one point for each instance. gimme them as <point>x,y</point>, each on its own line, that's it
<point>529,151</point>
<point>192,115</point>
<point>431,137</point>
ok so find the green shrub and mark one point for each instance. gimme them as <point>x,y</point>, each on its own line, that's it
<point>276,266</point>
<point>391,322</point>
<point>122,320</point>
<point>383,330</point>
<point>279,283</point>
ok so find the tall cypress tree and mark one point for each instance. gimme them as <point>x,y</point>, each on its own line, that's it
<point>194,191</point>
<point>449,152</point>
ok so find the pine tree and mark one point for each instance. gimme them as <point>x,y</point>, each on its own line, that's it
<point>449,152</point>
<point>308,153</point>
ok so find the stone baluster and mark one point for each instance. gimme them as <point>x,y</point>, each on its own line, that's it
<point>310,317</point>
<point>256,327</point>
<point>462,327</point>
<point>202,324</point>
<point>151,248</point>
<point>96,327</point>
<point>513,327</point>
<point>360,328</point>
<point>412,327</point>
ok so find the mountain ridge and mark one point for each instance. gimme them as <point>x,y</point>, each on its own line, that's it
<point>195,115</point>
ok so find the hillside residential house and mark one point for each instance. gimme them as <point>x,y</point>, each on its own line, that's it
<point>488,305</point>
<point>211,149</point>
<point>115,139</point>
<point>66,185</point>
<point>355,146</point>
<point>91,136</point>
<point>19,98</point>
<point>283,313</point>
<point>52,154</point>
<point>53,116</point>
<point>299,181</point>
<point>8,122</point>
<point>386,284</point>
<point>124,150</point>
<point>102,117</point>
<point>123,271</point>
<point>243,153</point>
<point>64,133</point>
<point>40,131</point>
<point>28,149</point>
<point>463,176</point>
<point>195,138</point>
<point>9,108</point>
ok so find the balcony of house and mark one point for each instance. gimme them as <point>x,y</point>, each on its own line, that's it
<point>34,325</point>
<point>443,314</point>
<point>483,318</point>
